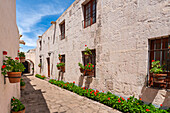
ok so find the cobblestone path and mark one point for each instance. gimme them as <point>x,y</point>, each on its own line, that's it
<point>39,96</point>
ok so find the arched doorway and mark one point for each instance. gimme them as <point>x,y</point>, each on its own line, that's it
<point>29,65</point>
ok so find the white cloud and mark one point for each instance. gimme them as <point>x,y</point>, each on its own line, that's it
<point>28,18</point>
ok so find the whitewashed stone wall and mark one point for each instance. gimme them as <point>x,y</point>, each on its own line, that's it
<point>120,37</point>
<point>9,41</point>
<point>30,58</point>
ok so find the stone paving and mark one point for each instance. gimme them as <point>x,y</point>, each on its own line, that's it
<point>39,96</point>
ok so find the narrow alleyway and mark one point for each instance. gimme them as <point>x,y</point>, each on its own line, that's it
<point>39,96</point>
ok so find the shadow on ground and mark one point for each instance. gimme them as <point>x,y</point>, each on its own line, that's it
<point>33,99</point>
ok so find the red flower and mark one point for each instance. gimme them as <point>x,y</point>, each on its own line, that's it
<point>103,91</point>
<point>87,90</point>
<point>97,91</point>
<point>91,92</point>
<point>140,98</point>
<point>89,66</point>
<point>73,82</point>
<point>147,110</point>
<point>3,66</point>
<point>153,60</point>
<point>161,105</point>
<point>123,98</point>
<point>18,51</point>
<point>93,66</point>
<point>85,45</point>
<point>95,94</point>
<point>85,65</point>
<point>13,99</point>
<point>108,98</point>
<point>51,82</point>
<point>119,101</point>
<point>89,63</point>
<point>128,98</point>
<point>16,58</point>
<point>4,53</point>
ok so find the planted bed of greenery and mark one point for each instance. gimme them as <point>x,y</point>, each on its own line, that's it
<point>131,105</point>
<point>16,105</point>
<point>39,76</point>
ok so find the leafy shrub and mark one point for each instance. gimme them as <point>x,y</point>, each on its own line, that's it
<point>39,76</point>
<point>62,64</point>
<point>81,66</point>
<point>16,105</point>
<point>89,66</point>
<point>131,105</point>
<point>156,67</point>
<point>22,83</point>
<point>21,54</point>
<point>11,65</point>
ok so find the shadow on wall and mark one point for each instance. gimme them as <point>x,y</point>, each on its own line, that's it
<point>33,99</point>
<point>87,82</point>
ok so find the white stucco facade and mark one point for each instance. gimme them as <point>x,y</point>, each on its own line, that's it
<point>9,41</point>
<point>119,36</point>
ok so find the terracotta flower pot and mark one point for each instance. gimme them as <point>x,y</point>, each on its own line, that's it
<point>63,69</point>
<point>90,73</point>
<point>22,87</point>
<point>159,77</point>
<point>14,74</point>
<point>58,68</point>
<point>22,59</point>
<point>81,70</point>
<point>23,111</point>
<point>59,58</point>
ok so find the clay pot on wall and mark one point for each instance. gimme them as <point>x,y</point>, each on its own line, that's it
<point>81,70</point>
<point>14,74</point>
<point>23,111</point>
<point>22,59</point>
<point>90,73</point>
<point>159,77</point>
<point>59,58</point>
<point>63,69</point>
<point>58,68</point>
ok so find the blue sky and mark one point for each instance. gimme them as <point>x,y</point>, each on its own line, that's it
<point>34,17</point>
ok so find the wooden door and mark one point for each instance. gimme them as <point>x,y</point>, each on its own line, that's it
<point>48,64</point>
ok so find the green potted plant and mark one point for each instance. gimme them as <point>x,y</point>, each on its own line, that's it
<point>87,52</point>
<point>82,68</point>
<point>22,84</point>
<point>58,66</point>
<point>89,68</point>
<point>157,69</point>
<point>17,106</point>
<point>59,57</point>
<point>62,65</point>
<point>21,56</point>
<point>13,68</point>
<point>39,65</point>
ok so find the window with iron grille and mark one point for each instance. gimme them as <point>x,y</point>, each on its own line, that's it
<point>159,50</point>
<point>63,58</point>
<point>90,13</point>
<point>91,59</point>
<point>40,45</point>
<point>62,29</point>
